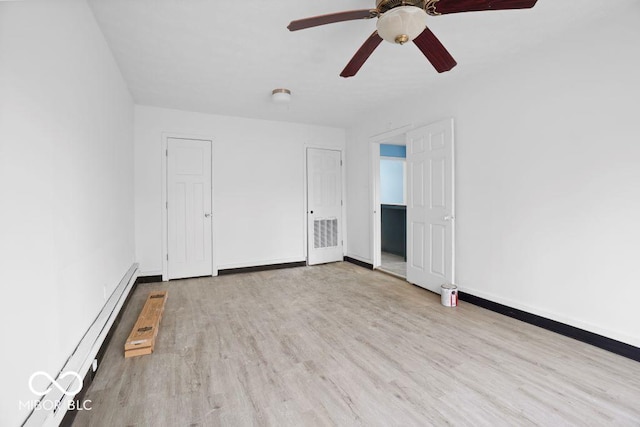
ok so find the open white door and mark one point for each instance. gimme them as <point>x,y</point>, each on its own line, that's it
<point>430,206</point>
<point>324,206</point>
<point>189,239</point>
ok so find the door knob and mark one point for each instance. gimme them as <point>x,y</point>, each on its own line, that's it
<point>207,215</point>
<point>449,217</point>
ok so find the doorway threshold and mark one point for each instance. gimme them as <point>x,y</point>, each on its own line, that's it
<point>391,273</point>
<point>394,264</point>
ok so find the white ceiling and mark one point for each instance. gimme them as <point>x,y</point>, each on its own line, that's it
<point>225,57</point>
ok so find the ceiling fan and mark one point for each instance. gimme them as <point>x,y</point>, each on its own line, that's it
<point>402,21</point>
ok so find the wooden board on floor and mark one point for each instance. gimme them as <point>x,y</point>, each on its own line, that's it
<point>142,339</point>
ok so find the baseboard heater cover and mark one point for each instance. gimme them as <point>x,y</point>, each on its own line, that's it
<point>81,360</point>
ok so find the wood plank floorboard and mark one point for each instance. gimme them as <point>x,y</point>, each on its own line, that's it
<point>338,344</point>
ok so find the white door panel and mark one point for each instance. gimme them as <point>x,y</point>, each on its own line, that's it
<point>430,206</point>
<point>189,217</point>
<point>324,204</point>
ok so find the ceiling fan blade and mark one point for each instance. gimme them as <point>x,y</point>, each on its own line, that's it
<point>435,52</point>
<point>362,55</point>
<point>443,7</point>
<point>315,21</point>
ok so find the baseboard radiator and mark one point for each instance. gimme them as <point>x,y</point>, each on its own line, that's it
<point>81,360</point>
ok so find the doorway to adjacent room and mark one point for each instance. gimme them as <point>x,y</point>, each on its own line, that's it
<point>393,209</point>
<point>413,203</point>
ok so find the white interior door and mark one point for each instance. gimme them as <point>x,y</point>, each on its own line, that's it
<point>324,206</point>
<point>189,239</point>
<point>430,206</point>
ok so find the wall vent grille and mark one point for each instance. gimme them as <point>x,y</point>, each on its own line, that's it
<point>325,233</point>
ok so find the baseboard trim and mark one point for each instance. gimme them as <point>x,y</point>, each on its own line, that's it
<point>358,262</point>
<point>149,279</point>
<point>261,268</point>
<point>605,343</point>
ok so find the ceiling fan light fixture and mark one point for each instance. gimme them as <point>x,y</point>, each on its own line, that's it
<point>281,96</point>
<point>401,24</point>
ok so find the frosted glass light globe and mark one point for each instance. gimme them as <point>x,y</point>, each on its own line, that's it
<point>401,24</point>
<point>281,96</point>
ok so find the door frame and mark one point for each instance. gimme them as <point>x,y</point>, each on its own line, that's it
<point>305,194</point>
<point>389,137</point>
<point>163,207</point>
<point>392,137</point>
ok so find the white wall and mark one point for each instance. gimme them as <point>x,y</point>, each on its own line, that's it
<point>66,187</point>
<point>548,177</point>
<point>392,181</point>
<point>258,174</point>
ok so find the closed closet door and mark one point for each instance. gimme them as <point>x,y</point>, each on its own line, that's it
<point>189,216</point>
<point>324,206</point>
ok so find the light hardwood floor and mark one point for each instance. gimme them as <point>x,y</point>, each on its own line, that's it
<point>341,345</point>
